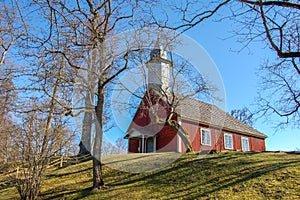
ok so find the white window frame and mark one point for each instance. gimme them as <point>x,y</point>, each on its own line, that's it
<point>248,146</point>
<point>209,134</point>
<point>230,135</point>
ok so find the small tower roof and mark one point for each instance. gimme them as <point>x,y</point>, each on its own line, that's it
<point>158,51</point>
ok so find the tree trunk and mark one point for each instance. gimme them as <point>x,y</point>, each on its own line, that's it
<point>85,143</point>
<point>98,181</point>
<point>183,134</point>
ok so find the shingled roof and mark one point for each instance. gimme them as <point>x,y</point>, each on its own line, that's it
<point>208,114</point>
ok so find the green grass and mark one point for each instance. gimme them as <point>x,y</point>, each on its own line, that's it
<point>231,175</point>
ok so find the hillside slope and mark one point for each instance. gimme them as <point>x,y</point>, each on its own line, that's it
<point>233,175</point>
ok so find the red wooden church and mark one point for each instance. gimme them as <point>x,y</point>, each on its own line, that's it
<point>209,128</point>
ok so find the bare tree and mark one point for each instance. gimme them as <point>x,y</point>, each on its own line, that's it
<point>108,148</point>
<point>37,142</point>
<point>7,125</point>
<point>280,93</point>
<point>121,146</point>
<point>44,93</point>
<point>275,21</point>
<point>190,13</point>
<point>244,115</point>
<point>277,24</point>
<point>10,34</point>
<point>86,26</point>
<point>8,131</point>
<point>43,134</point>
<point>12,28</point>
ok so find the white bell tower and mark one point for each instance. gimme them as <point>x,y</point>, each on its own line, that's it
<point>158,68</point>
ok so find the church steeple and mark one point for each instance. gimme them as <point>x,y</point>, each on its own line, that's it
<point>158,68</point>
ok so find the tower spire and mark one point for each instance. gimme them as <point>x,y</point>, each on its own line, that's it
<point>158,68</point>
<point>158,43</point>
<point>158,51</point>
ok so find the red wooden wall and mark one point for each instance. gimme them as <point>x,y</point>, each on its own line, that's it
<point>166,138</point>
<point>133,145</point>
<point>217,138</point>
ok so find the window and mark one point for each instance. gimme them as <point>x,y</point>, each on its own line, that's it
<point>245,144</point>
<point>205,137</point>
<point>228,144</point>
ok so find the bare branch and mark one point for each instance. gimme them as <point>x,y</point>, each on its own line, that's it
<point>286,4</point>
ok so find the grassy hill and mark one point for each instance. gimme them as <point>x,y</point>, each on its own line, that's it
<point>231,175</point>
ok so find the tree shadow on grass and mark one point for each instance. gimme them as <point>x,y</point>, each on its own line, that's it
<point>210,177</point>
<point>191,177</point>
<point>65,191</point>
<point>63,195</point>
<point>67,173</point>
<point>204,162</point>
<point>231,179</point>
